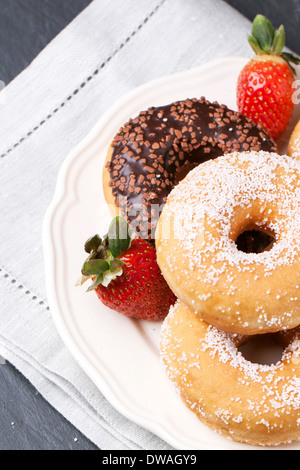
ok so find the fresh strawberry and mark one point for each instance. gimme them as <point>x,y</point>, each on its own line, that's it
<point>265,85</point>
<point>126,275</point>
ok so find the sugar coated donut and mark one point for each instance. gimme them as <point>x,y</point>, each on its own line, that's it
<point>247,402</point>
<point>294,143</point>
<point>153,151</point>
<point>238,291</point>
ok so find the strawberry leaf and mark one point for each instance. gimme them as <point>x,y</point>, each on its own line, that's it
<point>119,236</point>
<point>98,280</point>
<point>263,32</point>
<point>254,44</point>
<point>115,265</point>
<point>279,41</point>
<point>291,58</point>
<point>94,267</point>
<point>92,244</point>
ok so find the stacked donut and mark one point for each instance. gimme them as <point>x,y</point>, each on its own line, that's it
<point>294,143</point>
<point>228,245</point>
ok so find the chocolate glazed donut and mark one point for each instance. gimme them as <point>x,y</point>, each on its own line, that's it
<point>153,152</point>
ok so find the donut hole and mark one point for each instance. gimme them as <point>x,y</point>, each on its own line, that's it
<point>255,240</point>
<point>262,349</point>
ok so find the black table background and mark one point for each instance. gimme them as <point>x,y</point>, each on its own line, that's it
<point>27,421</point>
<point>286,12</point>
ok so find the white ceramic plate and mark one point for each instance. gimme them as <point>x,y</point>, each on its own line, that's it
<point>121,355</point>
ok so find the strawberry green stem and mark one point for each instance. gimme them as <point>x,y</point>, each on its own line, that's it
<point>103,263</point>
<point>264,39</point>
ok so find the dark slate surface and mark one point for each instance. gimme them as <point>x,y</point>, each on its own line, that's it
<point>27,421</point>
<point>26,27</point>
<point>286,12</point>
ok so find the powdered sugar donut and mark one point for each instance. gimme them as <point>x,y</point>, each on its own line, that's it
<point>199,248</point>
<point>294,143</point>
<point>251,403</point>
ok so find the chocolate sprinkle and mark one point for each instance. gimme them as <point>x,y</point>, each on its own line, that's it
<point>162,144</point>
